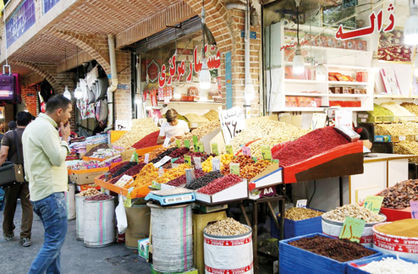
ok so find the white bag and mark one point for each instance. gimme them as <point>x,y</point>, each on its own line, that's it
<point>121,220</point>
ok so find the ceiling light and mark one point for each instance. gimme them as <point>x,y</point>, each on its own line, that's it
<point>78,93</point>
<point>204,76</point>
<point>298,62</point>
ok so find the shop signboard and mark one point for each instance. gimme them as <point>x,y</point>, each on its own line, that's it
<point>20,21</point>
<point>48,4</point>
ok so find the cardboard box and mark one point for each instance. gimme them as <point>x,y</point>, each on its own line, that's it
<point>85,177</point>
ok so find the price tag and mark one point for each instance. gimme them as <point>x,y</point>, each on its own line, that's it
<point>155,185</point>
<point>275,161</point>
<point>124,180</point>
<point>128,201</point>
<point>162,161</point>
<point>198,162</point>
<point>200,147</point>
<point>234,168</point>
<point>188,159</point>
<point>301,203</point>
<point>195,141</point>
<point>178,143</point>
<point>216,164</point>
<point>373,203</point>
<point>414,209</point>
<point>166,142</point>
<point>246,151</point>
<point>134,157</point>
<point>190,176</point>
<point>187,143</point>
<point>146,158</point>
<point>215,149</point>
<point>266,152</point>
<point>352,229</point>
<point>160,172</point>
<point>255,159</point>
<point>229,150</point>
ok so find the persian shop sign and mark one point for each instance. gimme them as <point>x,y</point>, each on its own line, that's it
<point>344,35</point>
<point>20,21</point>
<point>167,78</point>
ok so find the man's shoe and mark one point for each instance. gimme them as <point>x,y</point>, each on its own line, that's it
<point>9,237</point>
<point>25,242</point>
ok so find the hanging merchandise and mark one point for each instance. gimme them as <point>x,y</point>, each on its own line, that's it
<point>102,85</point>
<point>101,110</point>
<point>7,84</point>
<point>92,76</point>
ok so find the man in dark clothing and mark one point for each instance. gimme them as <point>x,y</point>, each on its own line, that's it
<point>9,151</point>
<point>12,125</point>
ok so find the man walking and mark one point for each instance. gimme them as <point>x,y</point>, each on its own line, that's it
<point>44,156</point>
<point>11,149</point>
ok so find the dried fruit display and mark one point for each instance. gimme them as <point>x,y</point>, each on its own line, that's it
<point>163,154</point>
<point>172,174</point>
<point>311,144</point>
<point>411,107</point>
<point>89,192</point>
<point>196,120</point>
<point>380,114</point>
<point>140,128</point>
<point>123,169</point>
<point>207,164</point>
<point>148,141</point>
<point>100,197</point>
<point>226,227</point>
<point>200,132</point>
<point>96,148</point>
<point>220,184</point>
<point>354,211</point>
<point>204,180</point>
<point>181,181</point>
<point>250,171</point>
<point>399,195</point>
<point>203,157</point>
<point>301,213</point>
<point>146,176</point>
<point>179,152</point>
<point>340,250</point>
<point>117,167</point>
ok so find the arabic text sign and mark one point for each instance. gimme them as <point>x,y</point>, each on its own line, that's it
<point>343,35</point>
<point>20,21</point>
<point>373,203</point>
<point>232,123</point>
<point>352,229</point>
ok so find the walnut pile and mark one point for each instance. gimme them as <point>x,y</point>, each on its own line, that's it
<point>399,195</point>
<point>226,227</point>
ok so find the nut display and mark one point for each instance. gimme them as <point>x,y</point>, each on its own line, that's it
<point>399,195</point>
<point>226,227</point>
<point>140,128</point>
<point>145,177</point>
<point>220,184</point>
<point>399,129</point>
<point>353,211</point>
<point>411,107</point>
<point>336,249</point>
<point>402,113</point>
<point>301,213</point>
<point>89,192</point>
<point>406,147</point>
<point>212,115</point>
<point>250,171</point>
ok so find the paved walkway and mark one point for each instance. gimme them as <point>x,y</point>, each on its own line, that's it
<point>75,258</point>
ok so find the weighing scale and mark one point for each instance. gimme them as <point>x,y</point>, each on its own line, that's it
<point>175,196</point>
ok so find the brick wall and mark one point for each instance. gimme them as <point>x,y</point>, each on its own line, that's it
<point>30,100</point>
<point>122,96</point>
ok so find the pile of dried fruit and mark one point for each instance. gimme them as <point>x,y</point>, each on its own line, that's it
<point>336,249</point>
<point>204,180</point>
<point>353,211</point>
<point>212,115</point>
<point>207,164</point>
<point>100,197</point>
<point>172,174</point>
<point>380,114</point>
<point>96,148</point>
<point>145,177</point>
<point>181,181</point>
<point>148,141</point>
<point>122,169</point>
<point>301,213</point>
<point>140,129</point>
<point>163,154</point>
<point>399,195</point>
<point>220,184</point>
<point>89,192</point>
<point>179,152</point>
<point>313,143</point>
<point>226,227</point>
<point>250,171</point>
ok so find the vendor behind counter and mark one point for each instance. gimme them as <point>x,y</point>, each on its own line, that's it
<point>172,129</point>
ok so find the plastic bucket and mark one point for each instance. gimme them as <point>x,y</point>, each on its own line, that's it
<point>228,254</point>
<point>79,216</point>
<point>70,201</point>
<point>98,222</point>
<point>405,247</point>
<point>333,228</point>
<point>172,238</point>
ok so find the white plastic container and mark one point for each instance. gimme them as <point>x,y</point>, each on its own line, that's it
<point>228,254</point>
<point>98,222</point>
<point>333,228</point>
<point>70,200</point>
<point>172,237</point>
<point>79,216</point>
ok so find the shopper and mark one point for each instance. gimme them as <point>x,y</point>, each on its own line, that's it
<point>12,125</point>
<point>11,149</point>
<point>172,128</point>
<point>44,155</point>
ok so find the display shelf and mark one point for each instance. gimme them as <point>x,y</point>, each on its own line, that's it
<point>348,95</point>
<point>348,83</point>
<point>306,94</point>
<point>347,67</point>
<point>302,81</point>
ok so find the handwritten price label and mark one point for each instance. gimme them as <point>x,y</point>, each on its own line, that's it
<point>301,203</point>
<point>414,209</point>
<point>215,149</point>
<point>246,151</point>
<point>266,152</point>
<point>234,167</point>
<point>373,203</point>
<point>352,229</point>
<point>195,141</point>
<point>229,150</point>
<point>146,158</point>
<point>188,159</point>
<point>178,143</point>
<point>187,143</point>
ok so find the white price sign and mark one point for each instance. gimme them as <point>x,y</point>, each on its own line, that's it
<point>232,122</point>
<point>301,203</point>
<point>162,161</point>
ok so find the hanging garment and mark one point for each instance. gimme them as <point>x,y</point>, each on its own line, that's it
<point>102,85</point>
<point>101,110</point>
<point>92,76</point>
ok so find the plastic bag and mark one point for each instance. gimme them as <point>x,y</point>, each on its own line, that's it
<point>122,221</point>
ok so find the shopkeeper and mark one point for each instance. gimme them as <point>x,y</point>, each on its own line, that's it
<point>172,128</point>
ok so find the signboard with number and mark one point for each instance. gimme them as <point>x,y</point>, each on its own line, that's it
<point>352,229</point>
<point>373,203</point>
<point>232,122</point>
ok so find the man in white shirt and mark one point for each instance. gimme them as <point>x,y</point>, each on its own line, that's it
<point>172,128</point>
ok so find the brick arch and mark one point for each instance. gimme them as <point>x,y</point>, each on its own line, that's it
<point>40,71</point>
<point>217,21</point>
<point>94,45</point>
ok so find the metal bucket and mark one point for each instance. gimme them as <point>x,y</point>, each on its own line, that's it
<point>79,216</point>
<point>99,222</point>
<point>70,201</point>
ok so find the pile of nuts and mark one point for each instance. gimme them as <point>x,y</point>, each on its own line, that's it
<point>226,227</point>
<point>140,129</point>
<point>406,147</point>
<point>250,171</point>
<point>301,213</point>
<point>399,195</point>
<point>353,211</point>
<point>399,129</point>
<point>89,192</point>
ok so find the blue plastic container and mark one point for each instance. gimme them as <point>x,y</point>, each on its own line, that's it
<point>352,269</point>
<point>296,260</point>
<point>297,228</point>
